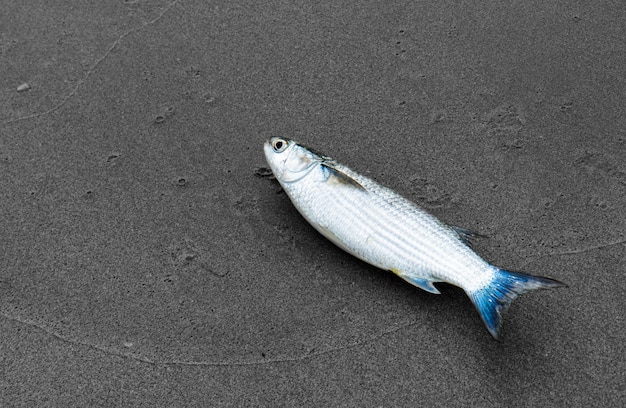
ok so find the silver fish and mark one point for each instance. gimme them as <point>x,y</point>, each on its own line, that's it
<point>384,229</point>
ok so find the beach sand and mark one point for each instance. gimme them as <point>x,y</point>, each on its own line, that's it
<point>143,262</point>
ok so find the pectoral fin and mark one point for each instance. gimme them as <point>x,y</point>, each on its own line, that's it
<point>336,176</point>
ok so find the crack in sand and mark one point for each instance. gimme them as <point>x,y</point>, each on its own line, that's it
<point>303,357</point>
<point>143,359</point>
<point>146,360</point>
<point>65,339</point>
<point>576,251</point>
<point>94,66</point>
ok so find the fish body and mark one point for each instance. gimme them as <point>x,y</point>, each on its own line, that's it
<point>382,228</point>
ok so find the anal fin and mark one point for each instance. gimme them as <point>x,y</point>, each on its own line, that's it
<point>423,284</point>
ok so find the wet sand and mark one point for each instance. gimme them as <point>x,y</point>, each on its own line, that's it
<point>144,263</point>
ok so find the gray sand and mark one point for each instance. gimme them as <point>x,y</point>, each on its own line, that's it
<point>142,262</point>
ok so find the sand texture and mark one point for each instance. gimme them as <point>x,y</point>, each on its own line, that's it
<point>143,261</point>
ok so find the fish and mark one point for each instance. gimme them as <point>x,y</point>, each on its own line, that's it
<point>382,228</point>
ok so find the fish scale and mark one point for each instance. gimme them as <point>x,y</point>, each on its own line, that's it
<point>333,210</point>
<point>410,240</point>
<point>382,228</point>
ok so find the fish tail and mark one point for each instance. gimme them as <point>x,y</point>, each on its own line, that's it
<point>494,298</point>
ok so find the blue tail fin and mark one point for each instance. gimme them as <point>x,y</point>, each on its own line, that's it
<point>506,286</point>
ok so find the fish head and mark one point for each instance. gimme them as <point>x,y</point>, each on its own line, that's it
<point>289,160</point>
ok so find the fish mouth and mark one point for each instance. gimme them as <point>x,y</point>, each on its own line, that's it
<point>269,157</point>
<point>267,147</point>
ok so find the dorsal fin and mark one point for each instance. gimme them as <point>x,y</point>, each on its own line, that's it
<point>466,235</point>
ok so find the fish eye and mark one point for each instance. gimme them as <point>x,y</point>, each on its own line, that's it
<point>279,145</point>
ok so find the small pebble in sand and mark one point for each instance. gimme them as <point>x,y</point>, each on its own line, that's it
<point>23,87</point>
